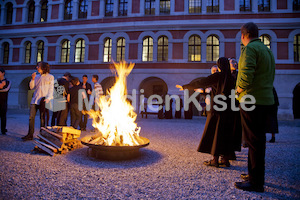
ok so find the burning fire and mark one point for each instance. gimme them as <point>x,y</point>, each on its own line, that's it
<point>116,119</point>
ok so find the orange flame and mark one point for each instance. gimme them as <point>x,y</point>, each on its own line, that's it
<point>116,119</point>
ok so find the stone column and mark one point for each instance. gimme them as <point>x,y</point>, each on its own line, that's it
<point>61,11</point>
<point>116,8</point>
<point>3,17</point>
<point>37,13</point>
<point>72,53</point>
<point>157,7</point>
<point>75,10</point>
<point>204,3</point>
<point>102,8</point>
<point>14,15</point>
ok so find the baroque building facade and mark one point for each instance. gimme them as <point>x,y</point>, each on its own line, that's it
<point>170,41</point>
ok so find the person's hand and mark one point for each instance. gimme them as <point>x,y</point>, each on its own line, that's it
<point>33,75</point>
<point>89,91</point>
<point>199,90</point>
<point>47,100</point>
<point>179,87</point>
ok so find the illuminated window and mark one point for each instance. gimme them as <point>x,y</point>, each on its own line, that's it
<point>212,6</point>
<point>195,6</point>
<point>80,50</point>
<point>147,49</point>
<point>65,51</point>
<point>109,7</point>
<point>9,13</point>
<point>83,9</point>
<point>107,50</point>
<point>212,48</point>
<point>297,48</point>
<point>149,7</point>
<point>264,5</point>
<point>27,52</point>
<point>5,53</point>
<point>266,40</point>
<point>120,49</point>
<point>162,49</point>
<point>245,5</point>
<point>194,48</point>
<point>164,7</point>
<point>31,8</point>
<point>40,51</point>
<point>68,10</point>
<point>123,7</point>
<point>44,11</point>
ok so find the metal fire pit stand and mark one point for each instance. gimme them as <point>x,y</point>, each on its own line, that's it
<point>113,152</point>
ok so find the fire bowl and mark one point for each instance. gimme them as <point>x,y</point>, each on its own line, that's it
<point>113,152</point>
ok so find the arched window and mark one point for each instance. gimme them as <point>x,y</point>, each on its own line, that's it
<point>212,6</point>
<point>297,48</point>
<point>194,48</point>
<point>195,6</point>
<point>149,7</point>
<point>264,5</point>
<point>65,51</point>
<point>123,7</point>
<point>162,49</point>
<point>31,8</point>
<point>120,49</point>
<point>147,49</point>
<point>83,9</point>
<point>5,52</point>
<point>68,9</point>
<point>164,7</point>
<point>9,13</point>
<point>40,51</point>
<point>44,11</point>
<point>107,50</point>
<point>266,40</point>
<point>80,50</point>
<point>109,7</point>
<point>212,48</point>
<point>27,52</point>
<point>245,5</point>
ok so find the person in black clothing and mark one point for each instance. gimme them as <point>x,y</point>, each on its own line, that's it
<point>88,88</point>
<point>62,116</point>
<point>272,122</point>
<point>73,101</point>
<point>4,88</point>
<point>178,112</point>
<point>217,134</point>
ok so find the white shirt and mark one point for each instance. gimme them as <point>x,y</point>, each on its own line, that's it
<point>43,86</point>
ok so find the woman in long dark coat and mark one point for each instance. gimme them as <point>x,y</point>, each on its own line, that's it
<point>217,135</point>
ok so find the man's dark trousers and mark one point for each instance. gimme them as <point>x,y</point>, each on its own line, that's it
<point>3,111</point>
<point>254,130</point>
<point>33,110</point>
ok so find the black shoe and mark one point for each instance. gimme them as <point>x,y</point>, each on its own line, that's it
<point>27,137</point>
<point>245,177</point>
<point>272,140</point>
<point>4,132</point>
<point>247,186</point>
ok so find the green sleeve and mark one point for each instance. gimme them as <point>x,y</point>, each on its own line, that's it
<point>247,70</point>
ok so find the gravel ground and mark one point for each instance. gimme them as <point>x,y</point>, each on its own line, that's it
<point>169,168</point>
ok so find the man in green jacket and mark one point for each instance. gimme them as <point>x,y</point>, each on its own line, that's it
<point>255,79</point>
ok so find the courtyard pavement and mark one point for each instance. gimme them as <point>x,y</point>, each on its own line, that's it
<point>169,168</point>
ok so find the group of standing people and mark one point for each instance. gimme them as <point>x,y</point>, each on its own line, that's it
<point>67,90</point>
<point>222,132</point>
